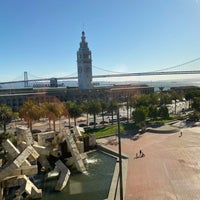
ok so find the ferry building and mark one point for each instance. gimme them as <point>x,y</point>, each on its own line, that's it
<point>85,91</point>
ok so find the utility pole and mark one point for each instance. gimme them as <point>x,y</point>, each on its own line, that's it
<point>120,156</point>
<point>127,109</point>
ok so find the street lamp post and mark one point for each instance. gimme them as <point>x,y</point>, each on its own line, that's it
<point>120,156</point>
<point>127,109</point>
<point>175,107</point>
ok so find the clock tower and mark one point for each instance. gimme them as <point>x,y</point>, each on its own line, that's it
<point>84,65</point>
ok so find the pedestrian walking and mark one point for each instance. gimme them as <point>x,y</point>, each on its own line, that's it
<point>140,152</point>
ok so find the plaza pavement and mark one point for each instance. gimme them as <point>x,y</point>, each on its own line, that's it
<point>170,169</point>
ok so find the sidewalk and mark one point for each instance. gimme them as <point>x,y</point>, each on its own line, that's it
<point>169,170</point>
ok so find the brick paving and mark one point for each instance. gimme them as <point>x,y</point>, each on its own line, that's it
<point>170,169</point>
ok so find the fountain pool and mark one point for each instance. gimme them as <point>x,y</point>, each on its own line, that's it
<point>92,185</point>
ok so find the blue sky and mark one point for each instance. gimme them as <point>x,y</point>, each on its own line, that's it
<point>43,36</point>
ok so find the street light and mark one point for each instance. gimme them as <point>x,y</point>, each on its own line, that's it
<point>127,109</point>
<point>175,107</point>
<point>120,155</point>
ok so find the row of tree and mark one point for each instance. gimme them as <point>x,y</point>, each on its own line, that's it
<point>152,106</point>
<point>31,111</point>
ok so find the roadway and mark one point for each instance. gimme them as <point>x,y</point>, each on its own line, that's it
<point>155,73</point>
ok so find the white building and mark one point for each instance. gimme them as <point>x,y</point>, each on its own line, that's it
<point>84,65</point>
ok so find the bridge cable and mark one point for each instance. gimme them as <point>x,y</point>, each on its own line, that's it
<point>179,65</point>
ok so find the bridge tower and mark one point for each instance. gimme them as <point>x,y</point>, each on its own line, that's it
<point>84,65</point>
<point>25,79</point>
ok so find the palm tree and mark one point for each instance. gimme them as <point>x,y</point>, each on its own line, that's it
<point>85,109</point>
<point>104,106</point>
<point>65,111</point>
<point>74,110</point>
<point>67,107</point>
<point>113,107</point>
<point>5,115</point>
<point>191,94</point>
<point>94,108</point>
<point>53,111</point>
<point>29,111</point>
<point>175,96</point>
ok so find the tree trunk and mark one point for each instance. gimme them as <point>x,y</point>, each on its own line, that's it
<point>112,116</point>
<point>69,122</point>
<point>127,110</point>
<point>54,125</point>
<point>94,120</point>
<point>102,115</point>
<point>31,128</point>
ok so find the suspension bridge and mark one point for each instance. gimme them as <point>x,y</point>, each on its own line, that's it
<point>189,67</point>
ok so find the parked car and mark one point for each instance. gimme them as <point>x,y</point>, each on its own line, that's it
<point>81,120</point>
<point>112,121</point>
<point>103,122</point>
<point>123,118</point>
<point>67,126</point>
<point>48,129</point>
<point>82,125</point>
<point>92,124</point>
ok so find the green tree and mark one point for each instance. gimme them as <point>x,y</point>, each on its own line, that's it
<point>94,109</point>
<point>165,98</point>
<point>6,115</point>
<point>113,107</point>
<point>139,115</point>
<point>75,111</point>
<point>153,99</point>
<point>104,106</point>
<point>191,94</point>
<point>176,96</point>
<point>194,116</point>
<point>153,111</point>
<point>142,100</point>
<point>67,105</point>
<point>163,112</point>
<point>85,109</point>
<point>3,137</point>
<point>196,103</point>
<point>132,101</point>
